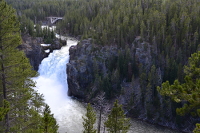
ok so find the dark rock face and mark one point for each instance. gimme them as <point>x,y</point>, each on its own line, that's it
<point>34,51</point>
<point>80,69</point>
<point>87,59</point>
<point>75,87</point>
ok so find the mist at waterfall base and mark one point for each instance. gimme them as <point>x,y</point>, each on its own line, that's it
<point>52,83</point>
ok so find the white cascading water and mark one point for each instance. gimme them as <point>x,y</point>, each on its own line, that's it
<point>52,83</point>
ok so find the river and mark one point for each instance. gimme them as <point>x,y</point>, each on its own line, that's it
<point>52,83</point>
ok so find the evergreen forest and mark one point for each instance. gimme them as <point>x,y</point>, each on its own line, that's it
<point>157,44</point>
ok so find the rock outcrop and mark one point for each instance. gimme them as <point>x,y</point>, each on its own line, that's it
<point>80,69</point>
<point>34,51</point>
<point>88,59</point>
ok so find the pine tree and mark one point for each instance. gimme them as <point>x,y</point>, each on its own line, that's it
<point>89,120</point>
<point>188,91</point>
<point>4,110</point>
<point>49,124</point>
<point>117,122</point>
<point>197,129</point>
<point>12,69</point>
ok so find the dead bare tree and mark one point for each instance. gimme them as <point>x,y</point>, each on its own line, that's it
<point>103,107</point>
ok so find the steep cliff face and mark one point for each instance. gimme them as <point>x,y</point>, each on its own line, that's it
<point>85,59</point>
<point>130,74</point>
<point>34,51</point>
<point>90,64</point>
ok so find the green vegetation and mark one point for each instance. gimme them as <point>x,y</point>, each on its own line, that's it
<point>154,39</point>
<point>20,105</point>
<point>117,122</point>
<point>31,14</point>
<point>49,124</point>
<point>4,110</point>
<point>27,27</point>
<point>167,31</point>
<point>89,120</point>
<point>188,92</point>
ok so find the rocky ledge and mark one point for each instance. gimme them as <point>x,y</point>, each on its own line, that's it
<point>35,51</point>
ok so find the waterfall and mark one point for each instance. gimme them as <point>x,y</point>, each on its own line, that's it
<point>52,83</point>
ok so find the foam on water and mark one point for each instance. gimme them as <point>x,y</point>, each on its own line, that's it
<point>52,83</point>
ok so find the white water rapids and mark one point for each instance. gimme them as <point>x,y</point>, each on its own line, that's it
<point>52,83</point>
